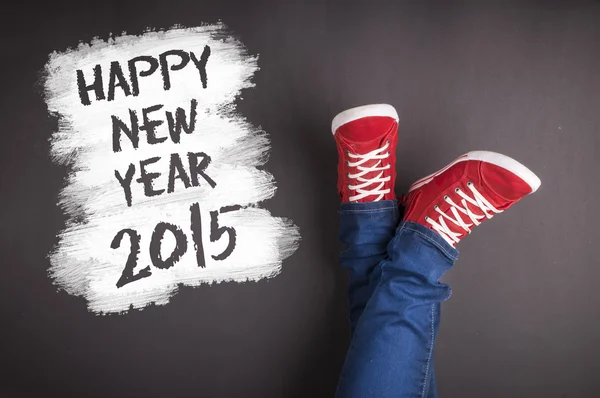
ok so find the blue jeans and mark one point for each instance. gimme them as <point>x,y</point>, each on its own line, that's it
<point>395,297</point>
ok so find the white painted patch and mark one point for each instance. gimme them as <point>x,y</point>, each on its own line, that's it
<point>83,263</point>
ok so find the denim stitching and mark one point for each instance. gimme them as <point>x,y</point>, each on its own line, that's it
<point>401,229</point>
<point>451,256</point>
<point>430,351</point>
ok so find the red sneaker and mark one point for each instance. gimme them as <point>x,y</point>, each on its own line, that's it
<point>469,190</point>
<point>366,139</point>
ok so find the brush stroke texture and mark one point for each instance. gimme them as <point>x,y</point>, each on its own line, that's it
<point>83,263</point>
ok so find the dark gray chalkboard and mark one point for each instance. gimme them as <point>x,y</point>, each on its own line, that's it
<point>521,78</point>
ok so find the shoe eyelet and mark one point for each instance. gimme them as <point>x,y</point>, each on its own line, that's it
<point>387,142</point>
<point>348,163</point>
<point>436,207</point>
<point>426,218</point>
<point>446,197</point>
<point>469,183</point>
<point>457,189</point>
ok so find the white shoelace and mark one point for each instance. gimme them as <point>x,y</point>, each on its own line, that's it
<point>362,192</point>
<point>482,203</point>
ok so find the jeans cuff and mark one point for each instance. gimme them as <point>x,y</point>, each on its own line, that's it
<point>368,207</point>
<point>431,236</point>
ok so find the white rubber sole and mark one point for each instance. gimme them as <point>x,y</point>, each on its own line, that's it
<point>362,111</point>
<point>489,157</point>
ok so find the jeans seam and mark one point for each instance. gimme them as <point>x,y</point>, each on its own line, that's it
<point>430,351</point>
<point>452,257</point>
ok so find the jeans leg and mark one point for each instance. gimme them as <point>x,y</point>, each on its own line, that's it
<point>365,229</point>
<point>432,386</point>
<point>392,347</point>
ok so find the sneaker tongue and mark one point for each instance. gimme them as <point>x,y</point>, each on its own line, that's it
<point>457,229</point>
<point>474,209</point>
<point>362,148</point>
